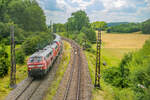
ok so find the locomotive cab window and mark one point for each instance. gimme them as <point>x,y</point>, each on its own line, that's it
<point>51,53</point>
<point>35,59</point>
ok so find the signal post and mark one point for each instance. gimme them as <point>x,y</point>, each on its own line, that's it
<point>98,60</point>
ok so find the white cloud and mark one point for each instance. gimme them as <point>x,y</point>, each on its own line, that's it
<point>83,4</point>
<point>113,10</point>
<point>120,3</point>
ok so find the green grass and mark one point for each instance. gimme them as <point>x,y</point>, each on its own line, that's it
<point>60,71</point>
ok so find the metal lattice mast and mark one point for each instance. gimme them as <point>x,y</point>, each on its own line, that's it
<point>13,60</point>
<point>98,60</point>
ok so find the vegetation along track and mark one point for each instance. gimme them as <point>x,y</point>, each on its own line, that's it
<point>76,83</point>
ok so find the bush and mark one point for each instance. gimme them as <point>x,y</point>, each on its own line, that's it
<point>4,63</point>
<point>32,44</point>
<point>80,38</point>
<point>89,33</point>
<point>119,76</point>
<point>113,76</point>
<point>20,57</point>
<point>124,94</point>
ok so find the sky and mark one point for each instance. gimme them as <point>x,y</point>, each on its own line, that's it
<point>98,10</point>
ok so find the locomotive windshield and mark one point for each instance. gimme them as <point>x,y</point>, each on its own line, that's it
<point>35,59</point>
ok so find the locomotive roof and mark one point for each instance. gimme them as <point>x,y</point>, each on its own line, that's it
<point>42,53</point>
<point>53,45</point>
<point>47,49</point>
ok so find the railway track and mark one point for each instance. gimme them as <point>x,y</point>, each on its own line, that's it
<point>75,73</point>
<point>34,89</point>
<point>17,97</point>
<point>29,90</point>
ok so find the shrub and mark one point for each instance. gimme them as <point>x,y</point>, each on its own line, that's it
<point>124,94</point>
<point>89,33</point>
<point>32,44</point>
<point>4,63</point>
<point>113,76</point>
<point>20,56</point>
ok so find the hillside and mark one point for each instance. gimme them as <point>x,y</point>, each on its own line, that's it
<point>116,23</point>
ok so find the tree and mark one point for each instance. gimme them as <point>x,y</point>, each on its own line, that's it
<point>89,33</point>
<point>125,28</point>
<point>146,27</point>
<point>4,17</point>
<point>77,21</point>
<point>59,28</point>
<point>27,14</point>
<point>99,24</point>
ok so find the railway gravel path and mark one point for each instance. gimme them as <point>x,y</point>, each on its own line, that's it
<point>76,83</point>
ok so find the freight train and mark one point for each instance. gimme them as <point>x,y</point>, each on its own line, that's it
<point>40,62</point>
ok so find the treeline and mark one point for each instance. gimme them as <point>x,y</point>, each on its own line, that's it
<point>125,28</point>
<point>78,28</point>
<point>116,23</point>
<point>25,15</point>
<point>132,75</point>
<point>30,28</point>
<point>131,27</point>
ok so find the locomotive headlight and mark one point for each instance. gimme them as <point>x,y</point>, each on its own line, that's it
<point>39,65</point>
<point>31,66</point>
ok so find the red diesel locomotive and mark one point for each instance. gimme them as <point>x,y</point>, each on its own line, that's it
<point>40,62</point>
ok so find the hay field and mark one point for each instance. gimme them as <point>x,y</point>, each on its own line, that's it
<point>115,45</point>
<point>133,41</point>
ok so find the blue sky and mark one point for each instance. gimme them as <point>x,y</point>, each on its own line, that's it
<point>98,10</point>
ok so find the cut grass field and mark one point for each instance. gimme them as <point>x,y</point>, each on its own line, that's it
<point>113,49</point>
<point>132,41</point>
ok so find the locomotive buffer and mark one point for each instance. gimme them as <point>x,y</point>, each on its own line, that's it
<point>98,60</point>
